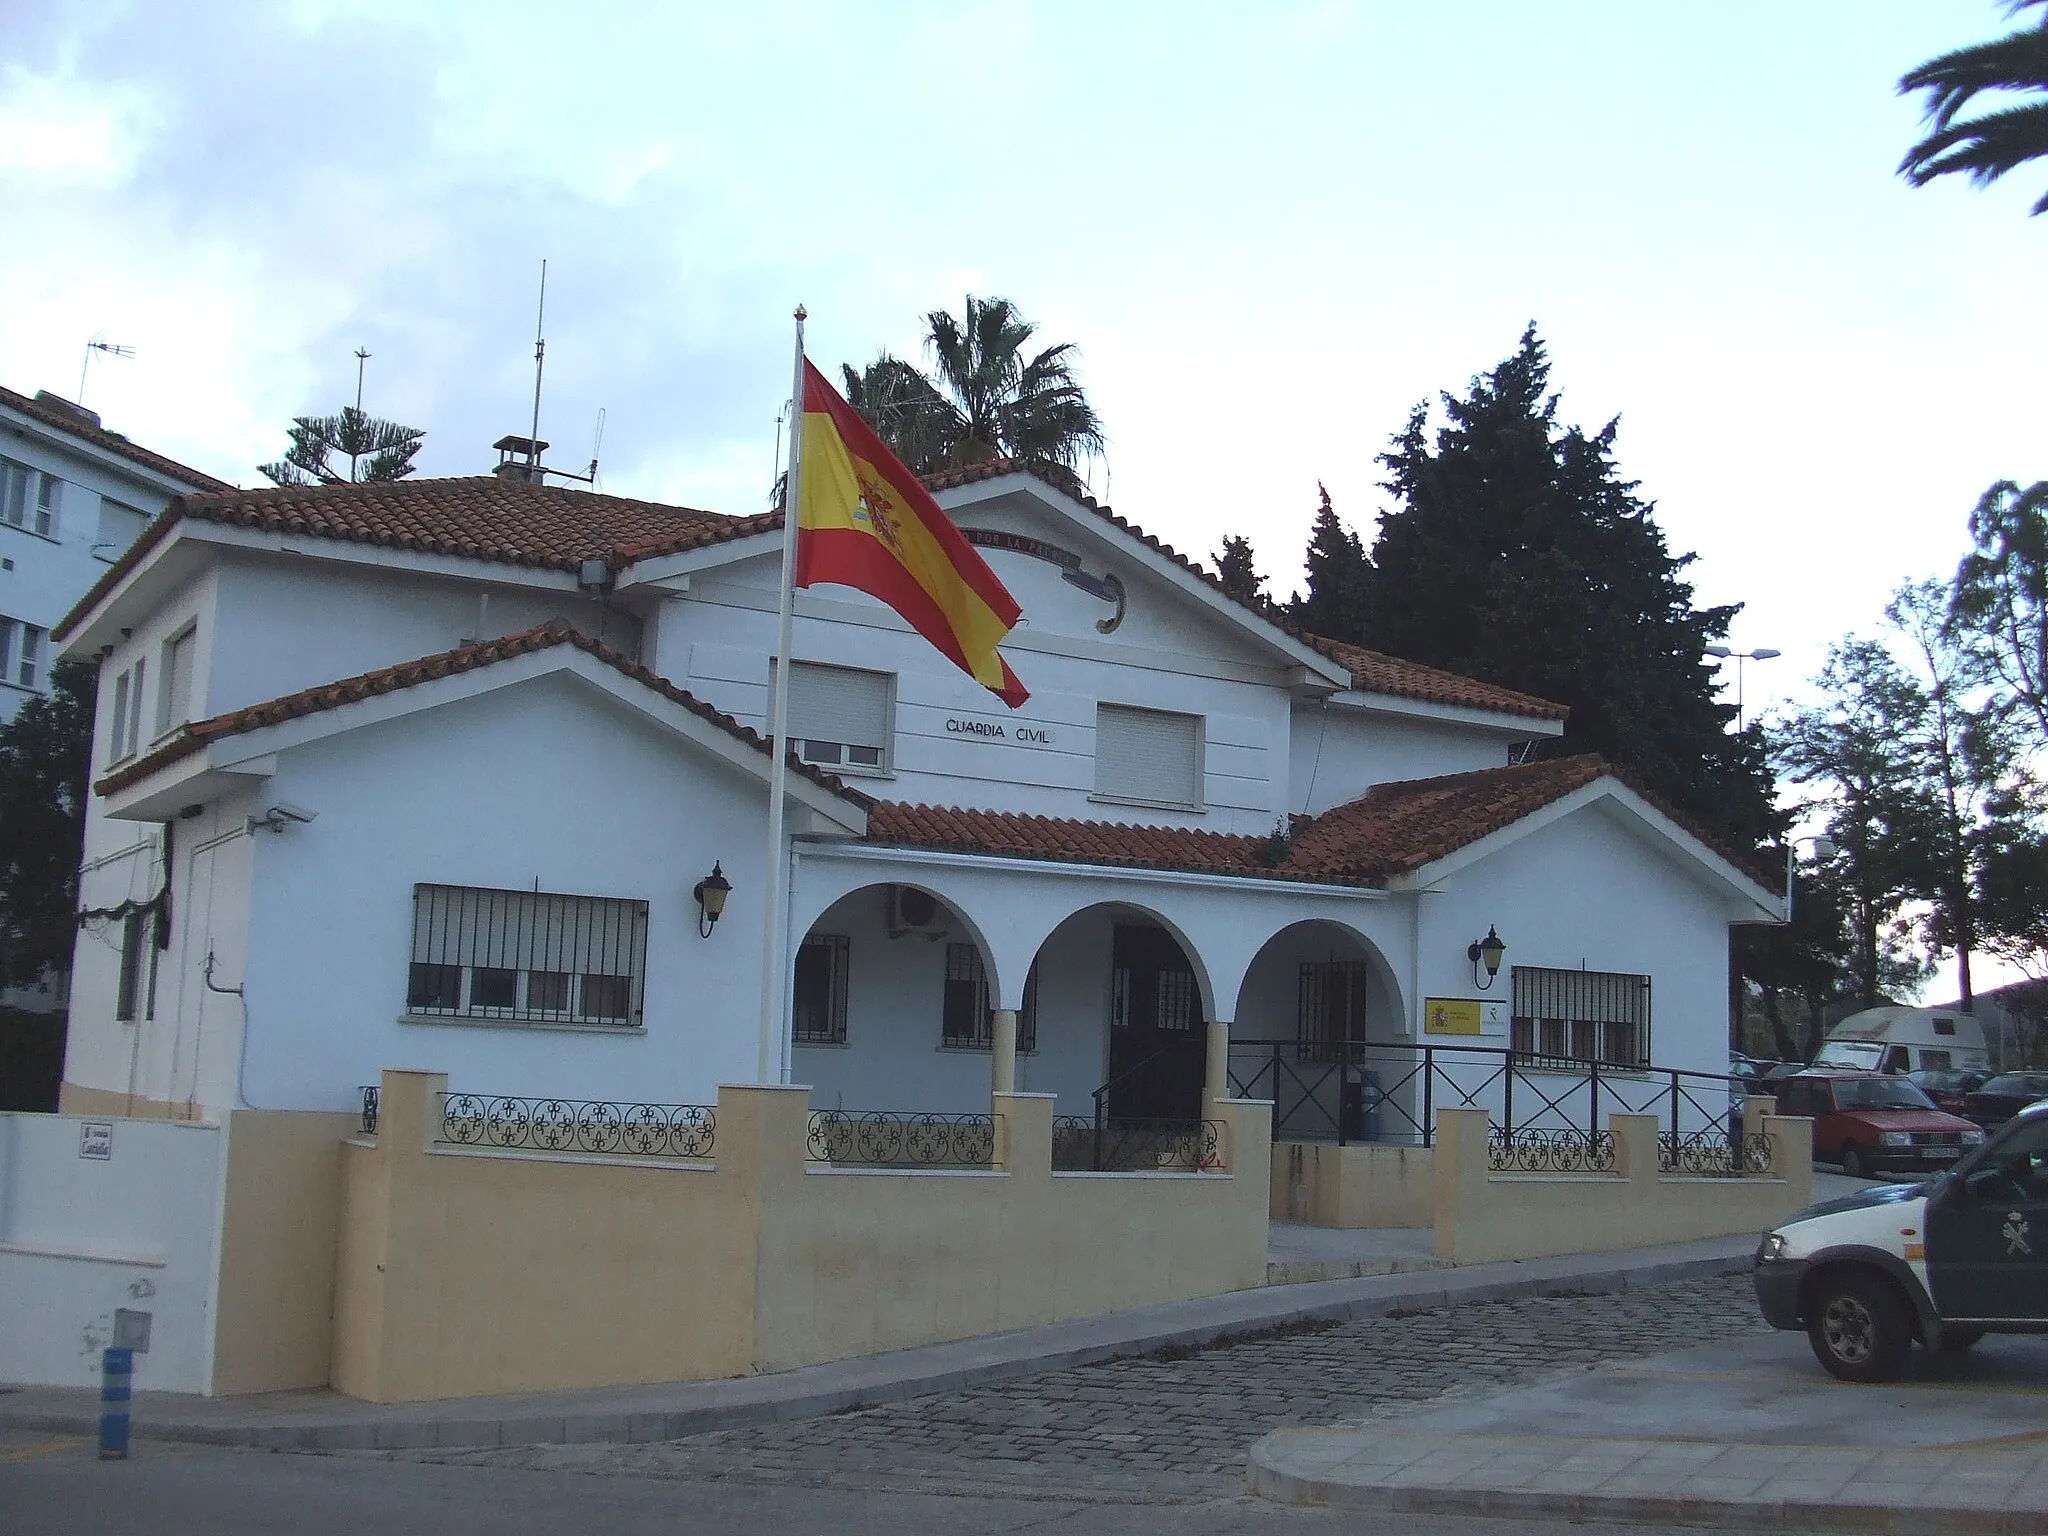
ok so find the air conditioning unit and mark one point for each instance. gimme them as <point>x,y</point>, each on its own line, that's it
<point>915,911</point>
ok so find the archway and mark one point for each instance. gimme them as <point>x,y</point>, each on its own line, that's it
<point>1117,1008</point>
<point>1320,1031</point>
<point>890,1004</point>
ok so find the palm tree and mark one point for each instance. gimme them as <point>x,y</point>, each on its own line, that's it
<point>983,400</point>
<point>375,449</point>
<point>1984,147</point>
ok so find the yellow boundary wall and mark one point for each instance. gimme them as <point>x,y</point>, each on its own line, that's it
<point>463,1272</point>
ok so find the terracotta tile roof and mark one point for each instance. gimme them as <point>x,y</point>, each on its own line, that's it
<point>1371,671</point>
<point>71,419</point>
<point>482,517</point>
<point>1377,672</point>
<point>1394,829</point>
<point>465,658</point>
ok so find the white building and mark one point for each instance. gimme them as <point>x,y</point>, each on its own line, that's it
<point>426,775</point>
<point>73,497</point>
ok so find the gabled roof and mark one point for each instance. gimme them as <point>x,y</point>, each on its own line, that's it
<point>480,517</point>
<point>1377,672</point>
<point>78,422</point>
<point>1392,830</point>
<point>466,658</point>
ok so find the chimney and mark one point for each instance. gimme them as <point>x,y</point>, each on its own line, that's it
<point>519,459</point>
<point>70,408</point>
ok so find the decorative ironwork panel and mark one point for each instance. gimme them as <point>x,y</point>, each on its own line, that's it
<point>1708,1154</point>
<point>370,1092</point>
<point>1080,1144</point>
<point>1563,1151</point>
<point>882,1138</point>
<point>595,1126</point>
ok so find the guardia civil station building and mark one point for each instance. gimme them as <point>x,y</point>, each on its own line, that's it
<point>449,775</point>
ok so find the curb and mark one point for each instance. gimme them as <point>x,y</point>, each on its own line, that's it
<point>1289,1488</point>
<point>596,1424</point>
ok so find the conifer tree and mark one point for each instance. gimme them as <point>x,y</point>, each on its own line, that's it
<point>1335,602</point>
<point>1234,570</point>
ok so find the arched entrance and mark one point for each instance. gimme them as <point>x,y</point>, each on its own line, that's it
<point>1319,1031</point>
<point>1116,992</point>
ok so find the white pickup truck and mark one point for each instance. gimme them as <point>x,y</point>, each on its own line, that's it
<point>1942,1262</point>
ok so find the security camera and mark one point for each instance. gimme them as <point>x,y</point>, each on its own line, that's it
<point>280,816</point>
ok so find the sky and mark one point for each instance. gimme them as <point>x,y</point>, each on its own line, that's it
<point>1271,231</point>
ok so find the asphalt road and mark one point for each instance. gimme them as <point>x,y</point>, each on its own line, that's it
<point>54,1487</point>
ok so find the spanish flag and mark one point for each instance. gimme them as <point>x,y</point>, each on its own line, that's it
<point>864,521</point>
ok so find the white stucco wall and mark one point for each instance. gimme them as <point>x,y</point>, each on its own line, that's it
<point>81,1237</point>
<point>1340,751</point>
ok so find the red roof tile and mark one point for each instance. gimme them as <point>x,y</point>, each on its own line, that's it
<point>466,658</point>
<point>481,517</point>
<point>74,420</point>
<point>1393,829</point>
<point>1377,672</point>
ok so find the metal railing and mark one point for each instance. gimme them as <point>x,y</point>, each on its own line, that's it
<point>602,1127</point>
<point>1392,1094</point>
<point>881,1138</point>
<point>1102,1145</point>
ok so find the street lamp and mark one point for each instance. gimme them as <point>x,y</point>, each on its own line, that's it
<point>1761,653</point>
<point>1823,848</point>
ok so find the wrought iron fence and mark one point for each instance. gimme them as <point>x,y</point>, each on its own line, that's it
<point>1100,1145</point>
<point>1392,1094</point>
<point>600,1126</point>
<point>1714,1154</point>
<point>884,1138</point>
<point>370,1091</point>
<point>1569,1151</point>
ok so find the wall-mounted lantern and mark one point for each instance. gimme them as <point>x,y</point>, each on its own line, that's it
<point>711,892</point>
<point>1487,952</point>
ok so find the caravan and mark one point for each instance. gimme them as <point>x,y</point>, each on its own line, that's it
<point>1900,1039</point>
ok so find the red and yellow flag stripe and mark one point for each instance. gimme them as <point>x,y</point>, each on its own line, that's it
<point>865,521</point>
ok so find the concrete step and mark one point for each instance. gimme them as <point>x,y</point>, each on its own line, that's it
<point>1308,1271</point>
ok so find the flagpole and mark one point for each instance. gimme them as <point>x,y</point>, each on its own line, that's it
<point>774,969</point>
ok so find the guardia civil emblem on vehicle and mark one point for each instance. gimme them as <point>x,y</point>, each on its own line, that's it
<point>2016,1234</point>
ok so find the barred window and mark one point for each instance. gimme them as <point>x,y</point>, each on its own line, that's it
<point>817,1001</point>
<point>1581,1016</point>
<point>526,956</point>
<point>1331,1011</point>
<point>967,1022</point>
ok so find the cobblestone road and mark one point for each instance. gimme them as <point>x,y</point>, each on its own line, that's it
<point>1174,1426</point>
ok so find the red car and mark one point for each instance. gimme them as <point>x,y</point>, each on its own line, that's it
<point>1874,1124</point>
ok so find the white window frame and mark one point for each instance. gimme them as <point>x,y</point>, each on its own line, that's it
<point>1110,795</point>
<point>465,930</point>
<point>811,749</point>
<point>166,706</point>
<point>38,513</point>
<point>22,654</point>
<point>130,687</point>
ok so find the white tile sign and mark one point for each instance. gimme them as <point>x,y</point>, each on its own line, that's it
<point>96,1140</point>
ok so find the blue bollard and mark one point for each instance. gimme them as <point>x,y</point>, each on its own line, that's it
<point>117,1371</point>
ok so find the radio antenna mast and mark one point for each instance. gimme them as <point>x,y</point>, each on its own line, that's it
<point>99,343</point>
<point>540,352</point>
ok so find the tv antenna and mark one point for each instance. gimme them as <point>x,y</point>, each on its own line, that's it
<point>540,352</point>
<point>99,343</point>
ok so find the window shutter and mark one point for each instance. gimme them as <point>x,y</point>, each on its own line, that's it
<point>1147,754</point>
<point>178,680</point>
<point>839,704</point>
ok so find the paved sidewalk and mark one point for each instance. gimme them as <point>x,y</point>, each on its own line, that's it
<point>326,1420</point>
<point>1749,1434</point>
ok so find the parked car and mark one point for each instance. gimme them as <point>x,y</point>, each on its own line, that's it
<point>1873,1123</point>
<point>1947,1086</point>
<point>2002,1097</point>
<point>1944,1262</point>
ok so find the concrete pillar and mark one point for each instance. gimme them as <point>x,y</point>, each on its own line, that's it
<point>1024,1134</point>
<point>1216,1067</point>
<point>1003,1058</point>
<point>1792,1155</point>
<point>1636,1154</point>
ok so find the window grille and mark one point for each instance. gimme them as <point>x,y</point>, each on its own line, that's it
<point>968,1023</point>
<point>1332,1008</point>
<point>1148,755</point>
<point>1176,1000</point>
<point>527,955</point>
<point>839,717</point>
<point>127,991</point>
<point>818,998</point>
<point>1581,1016</point>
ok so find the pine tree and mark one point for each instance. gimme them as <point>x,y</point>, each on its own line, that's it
<point>1335,604</point>
<point>1517,554</point>
<point>375,449</point>
<point>1234,570</point>
<point>45,751</point>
